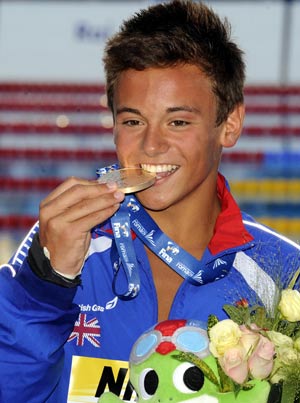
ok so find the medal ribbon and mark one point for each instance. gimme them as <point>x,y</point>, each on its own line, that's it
<point>123,254</point>
<point>132,215</point>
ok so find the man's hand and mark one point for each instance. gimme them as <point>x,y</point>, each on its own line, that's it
<point>67,216</point>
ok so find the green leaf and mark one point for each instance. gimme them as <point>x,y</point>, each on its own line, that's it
<point>237,389</point>
<point>294,279</point>
<point>291,382</point>
<point>297,331</point>
<point>287,328</point>
<point>236,314</point>
<point>247,386</point>
<point>261,319</point>
<point>226,383</point>
<point>212,321</point>
<point>207,371</point>
<point>289,393</point>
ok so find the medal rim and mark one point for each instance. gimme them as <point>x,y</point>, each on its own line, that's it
<point>148,179</point>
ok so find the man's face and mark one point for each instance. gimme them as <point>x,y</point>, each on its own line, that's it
<point>165,123</point>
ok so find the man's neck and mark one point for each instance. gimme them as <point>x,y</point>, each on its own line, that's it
<point>190,225</point>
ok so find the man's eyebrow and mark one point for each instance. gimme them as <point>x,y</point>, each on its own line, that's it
<point>129,110</point>
<point>182,108</point>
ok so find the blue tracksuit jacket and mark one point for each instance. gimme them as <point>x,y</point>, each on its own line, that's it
<point>43,325</point>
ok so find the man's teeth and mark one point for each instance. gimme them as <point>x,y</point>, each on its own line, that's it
<point>159,168</point>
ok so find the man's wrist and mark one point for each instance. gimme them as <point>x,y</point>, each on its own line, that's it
<point>68,276</point>
<point>41,266</point>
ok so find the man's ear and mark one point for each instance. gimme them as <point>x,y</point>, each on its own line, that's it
<point>233,126</point>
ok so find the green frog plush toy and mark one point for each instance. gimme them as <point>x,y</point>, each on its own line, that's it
<point>172,363</point>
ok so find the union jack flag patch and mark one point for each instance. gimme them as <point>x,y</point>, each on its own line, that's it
<point>86,330</point>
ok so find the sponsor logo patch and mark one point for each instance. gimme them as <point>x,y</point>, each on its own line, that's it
<point>91,377</point>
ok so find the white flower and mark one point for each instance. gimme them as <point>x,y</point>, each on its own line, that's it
<point>287,355</point>
<point>279,339</point>
<point>289,305</point>
<point>224,335</point>
<point>297,344</point>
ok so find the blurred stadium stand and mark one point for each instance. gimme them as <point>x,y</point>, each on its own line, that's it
<point>51,131</point>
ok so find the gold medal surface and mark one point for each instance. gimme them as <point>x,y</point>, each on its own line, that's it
<point>129,180</point>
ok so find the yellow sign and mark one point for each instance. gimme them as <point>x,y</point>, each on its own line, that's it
<point>90,377</point>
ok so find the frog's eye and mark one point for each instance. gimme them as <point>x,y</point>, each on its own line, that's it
<point>148,383</point>
<point>188,378</point>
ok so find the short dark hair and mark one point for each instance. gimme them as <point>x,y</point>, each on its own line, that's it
<point>176,33</point>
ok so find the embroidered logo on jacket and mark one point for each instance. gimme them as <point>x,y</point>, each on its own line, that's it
<point>86,330</point>
<point>219,262</point>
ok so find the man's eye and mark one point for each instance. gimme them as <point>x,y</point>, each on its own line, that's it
<point>131,122</point>
<point>179,123</point>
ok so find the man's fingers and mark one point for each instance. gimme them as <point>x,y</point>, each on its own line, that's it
<point>73,192</point>
<point>89,207</point>
<point>67,184</point>
<point>85,214</point>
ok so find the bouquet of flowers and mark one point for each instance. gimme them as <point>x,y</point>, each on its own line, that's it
<point>252,344</point>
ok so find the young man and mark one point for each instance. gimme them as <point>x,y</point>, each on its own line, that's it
<point>175,87</point>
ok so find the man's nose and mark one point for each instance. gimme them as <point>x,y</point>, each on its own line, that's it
<point>154,141</point>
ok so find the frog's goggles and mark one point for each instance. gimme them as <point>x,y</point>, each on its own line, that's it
<point>187,339</point>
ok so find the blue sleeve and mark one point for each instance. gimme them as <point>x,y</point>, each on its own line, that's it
<point>36,320</point>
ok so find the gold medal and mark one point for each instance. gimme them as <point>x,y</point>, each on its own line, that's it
<point>129,180</point>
